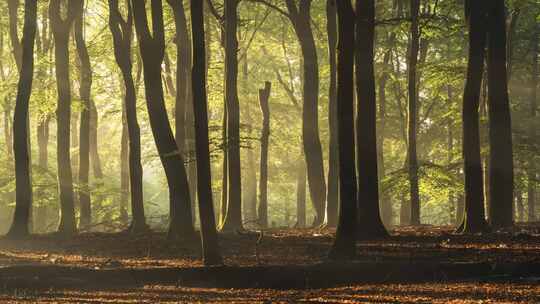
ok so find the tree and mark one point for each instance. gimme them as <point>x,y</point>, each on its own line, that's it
<point>474,216</point>
<point>233,216</point>
<point>122,31</point>
<point>23,192</point>
<point>84,137</point>
<point>501,169</point>
<point>332,194</point>
<point>531,167</point>
<point>412,158</point>
<point>264,95</point>
<point>210,247</point>
<point>344,246</point>
<point>152,48</point>
<point>61,28</point>
<point>369,219</point>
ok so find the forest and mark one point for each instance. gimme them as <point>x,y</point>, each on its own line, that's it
<point>269,151</point>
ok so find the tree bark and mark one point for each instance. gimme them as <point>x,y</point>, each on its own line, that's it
<point>210,247</point>
<point>61,29</point>
<point>531,166</point>
<point>301,19</point>
<point>23,191</point>
<point>369,218</point>
<point>474,216</point>
<point>264,95</point>
<point>152,47</point>
<point>84,137</point>
<point>344,246</point>
<point>233,217</point>
<point>412,163</point>
<point>122,31</point>
<point>501,175</point>
<point>301,194</point>
<point>332,194</point>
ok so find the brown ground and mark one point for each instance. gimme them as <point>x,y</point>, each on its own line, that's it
<point>278,248</point>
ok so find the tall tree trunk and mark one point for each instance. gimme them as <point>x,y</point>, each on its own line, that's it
<point>332,194</point>
<point>122,31</point>
<point>250,188</point>
<point>183,104</point>
<point>124,169</point>
<point>301,194</point>
<point>531,166</point>
<point>412,163</point>
<point>519,207</point>
<point>84,138</point>
<point>344,246</point>
<point>301,19</point>
<point>61,29</point>
<point>152,48</point>
<point>94,151</point>
<point>233,217</point>
<point>210,247</point>
<point>264,95</point>
<point>474,217</point>
<point>369,219</point>
<point>501,175</point>
<point>23,191</point>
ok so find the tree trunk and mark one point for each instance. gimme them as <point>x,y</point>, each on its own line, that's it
<point>332,194</point>
<point>531,166</point>
<point>344,246</point>
<point>210,247</point>
<point>412,162</point>
<point>501,175</point>
<point>124,169</point>
<point>94,151</point>
<point>264,95</point>
<point>84,138</point>
<point>519,207</point>
<point>122,35</point>
<point>301,20</point>
<point>250,188</point>
<point>233,217</point>
<point>474,217</point>
<point>183,104</point>
<point>61,29</point>
<point>369,219</point>
<point>152,47</point>
<point>301,194</point>
<point>23,191</point>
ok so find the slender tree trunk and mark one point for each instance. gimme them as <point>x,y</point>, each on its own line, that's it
<point>210,247</point>
<point>122,34</point>
<point>369,219</point>
<point>233,217</point>
<point>264,95</point>
<point>94,151</point>
<point>344,246</point>
<point>519,207</point>
<point>124,169</point>
<point>23,191</point>
<point>301,194</point>
<point>531,166</point>
<point>301,19</point>
<point>412,163</point>
<point>474,217</point>
<point>501,175</point>
<point>84,138</point>
<point>152,47</point>
<point>61,29</point>
<point>332,194</point>
<point>250,188</point>
<point>7,130</point>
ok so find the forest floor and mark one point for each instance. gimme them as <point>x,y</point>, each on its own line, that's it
<point>416,265</point>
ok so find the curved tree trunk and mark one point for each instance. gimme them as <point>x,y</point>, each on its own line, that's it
<point>301,19</point>
<point>369,219</point>
<point>344,246</point>
<point>501,169</point>
<point>474,216</point>
<point>152,47</point>
<point>23,191</point>
<point>61,29</point>
<point>264,95</point>
<point>84,137</point>
<point>210,247</point>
